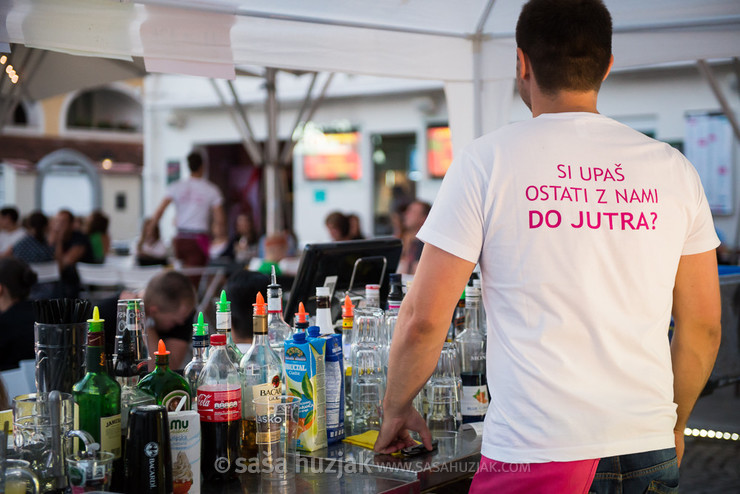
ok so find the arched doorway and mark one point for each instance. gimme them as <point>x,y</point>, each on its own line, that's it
<point>67,179</point>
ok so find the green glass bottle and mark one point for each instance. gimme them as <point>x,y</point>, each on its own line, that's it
<point>167,386</point>
<point>98,396</point>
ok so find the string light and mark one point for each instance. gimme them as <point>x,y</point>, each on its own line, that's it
<point>3,59</point>
<point>727,436</point>
<point>107,164</point>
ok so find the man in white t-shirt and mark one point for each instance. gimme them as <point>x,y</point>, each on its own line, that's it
<point>197,203</point>
<point>589,236</point>
<point>10,231</point>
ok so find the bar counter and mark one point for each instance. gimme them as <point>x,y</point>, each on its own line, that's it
<point>346,468</point>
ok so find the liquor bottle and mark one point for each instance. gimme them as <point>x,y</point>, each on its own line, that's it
<point>195,366</point>
<point>167,386</point>
<point>347,321</point>
<point>372,296</point>
<point>277,329</point>
<point>323,310</point>
<point>223,326</point>
<point>220,410</point>
<point>131,315</point>
<point>127,377</point>
<point>458,318</point>
<point>261,375</point>
<point>395,294</point>
<point>98,397</point>
<point>477,283</point>
<point>471,347</point>
<point>301,319</point>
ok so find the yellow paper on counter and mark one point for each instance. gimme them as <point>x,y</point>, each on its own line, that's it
<point>367,440</point>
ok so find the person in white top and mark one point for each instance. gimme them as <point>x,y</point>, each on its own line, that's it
<point>197,202</point>
<point>10,232</point>
<point>589,236</point>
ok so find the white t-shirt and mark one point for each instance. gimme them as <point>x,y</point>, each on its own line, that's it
<point>194,199</point>
<point>578,223</point>
<point>9,239</point>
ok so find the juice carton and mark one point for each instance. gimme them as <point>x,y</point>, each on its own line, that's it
<point>334,384</point>
<point>305,378</point>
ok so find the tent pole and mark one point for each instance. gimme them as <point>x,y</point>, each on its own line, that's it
<point>290,145</point>
<point>247,140</point>
<point>708,74</point>
<point>272,193</point>
<point>288,148</point>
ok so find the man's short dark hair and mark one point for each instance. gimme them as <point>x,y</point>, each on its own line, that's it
<point>241,290</point>
<point>169,290</point>
<point>11,213</point>
<point>195,161</point>
<point>568,42</point>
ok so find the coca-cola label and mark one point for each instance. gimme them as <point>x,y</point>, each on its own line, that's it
<point>219,404</point>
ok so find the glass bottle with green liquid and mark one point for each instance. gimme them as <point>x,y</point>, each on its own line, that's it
<point>167,386</point>
<point>98,397</point>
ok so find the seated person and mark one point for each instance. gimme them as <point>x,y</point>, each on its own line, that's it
<point>70,247</point>
<point>16,313</point>
<point>150,250</point>
<point>169,304</point>
<point>245,242</point>
<point>34,247</point>
<point>219,248</point>
<point>241,290</point>
<point>276,247</point>
<point>97,234</point>
<point>338,226</point>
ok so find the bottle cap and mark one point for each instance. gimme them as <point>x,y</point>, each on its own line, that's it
<point>161,349</point>
<point>322,291</point>
<point>299,337</point>
<point>260,307</point>
<point>314,331</point>
<point>372,289</point>
<point>200,328</point>
<point>394,277</point>
<point>223,305</point>
<point>301,315</point>
<point>347,308</point>
<point>95,324</point>
<point>218,339</point>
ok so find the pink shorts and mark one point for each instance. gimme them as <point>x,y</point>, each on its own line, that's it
<point>534,478</point>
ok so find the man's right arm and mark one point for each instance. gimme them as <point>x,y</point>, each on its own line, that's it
<point>158,213</point>
<point>697,335</point>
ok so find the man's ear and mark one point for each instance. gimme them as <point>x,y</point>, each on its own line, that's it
<point>609,68</point>
<point>523,67</point>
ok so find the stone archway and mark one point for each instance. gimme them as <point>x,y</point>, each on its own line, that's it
<point>67,179</point>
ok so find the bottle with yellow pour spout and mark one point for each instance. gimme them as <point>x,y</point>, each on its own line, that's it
<point>98,396</point>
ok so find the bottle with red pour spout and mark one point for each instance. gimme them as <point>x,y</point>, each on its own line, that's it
<point>261,373</point>
<point>167,386</point>
<point>301,319</point>
<point>220,410</point>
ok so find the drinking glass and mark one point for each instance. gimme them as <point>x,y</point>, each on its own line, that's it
<point>40,423</point>
<point>16,476</point>
<point>277,431</point>
<point>90,471</point>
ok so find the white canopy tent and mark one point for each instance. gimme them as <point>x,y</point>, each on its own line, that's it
<point>468,44</point>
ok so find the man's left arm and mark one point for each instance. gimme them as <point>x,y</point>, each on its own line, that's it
<point>423,321</point>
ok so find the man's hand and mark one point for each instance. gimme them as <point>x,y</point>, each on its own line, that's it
<point>394,433</point>
<point>679,435</point>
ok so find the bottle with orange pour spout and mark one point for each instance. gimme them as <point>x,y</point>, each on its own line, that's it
<point>261,373</point>
<point>301,319</point>
<point>167,386</point>
<point>348,317</point>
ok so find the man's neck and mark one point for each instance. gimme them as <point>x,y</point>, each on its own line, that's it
<point>564,101</point>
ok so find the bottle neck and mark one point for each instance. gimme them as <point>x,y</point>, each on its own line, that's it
<point>223,322</point>
<point>199,351</point>
<point>259,327</point>
<point>162,362</point>
<point>95,355</point>
<point>471,314</point>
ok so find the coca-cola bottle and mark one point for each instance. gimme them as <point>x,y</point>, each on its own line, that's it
<point>220,409</point>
